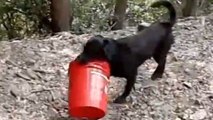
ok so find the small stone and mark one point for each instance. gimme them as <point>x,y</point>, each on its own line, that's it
<point>199,115</point>
<point>6,106</point>
<point>63,114</point>
<point>178,118</point>
<point>32,98</point>
<point>165,92</point>
<point>14,91</point>
<point>10,62</point>
<point>32,74</point>
<point>25,88</point>
<point>187,84</point>
<point>138,86</point>
<point>21,75</point>
<point>200,64</point>
<point>30,62</point>
<point>185,116</point>
<point>130,113</point>
<point>187,71</point>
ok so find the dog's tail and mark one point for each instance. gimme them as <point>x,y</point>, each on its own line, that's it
<point>170,7</point>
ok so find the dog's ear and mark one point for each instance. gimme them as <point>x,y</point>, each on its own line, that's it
<point>100,36</point>
<point>96,37</point>
<point>109,48</point>
<point>83,59</point>
<point>140,28</point>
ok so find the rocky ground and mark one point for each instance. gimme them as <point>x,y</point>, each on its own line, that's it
<point>33,77</point>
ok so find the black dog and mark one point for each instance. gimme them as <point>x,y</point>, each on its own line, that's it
<point>125,55</point>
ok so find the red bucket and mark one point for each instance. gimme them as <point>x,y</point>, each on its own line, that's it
<point>88,89</point>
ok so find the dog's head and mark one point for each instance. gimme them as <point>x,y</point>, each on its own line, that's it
<point>97,47</point>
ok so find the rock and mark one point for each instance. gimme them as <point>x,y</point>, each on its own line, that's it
<point>199,115</point>
<point>185,116</point>
<point>33,98</point>
<point>178,118</point>
<point>25,89</point>
<point>32,74</point>
<point>21,75</point>
<point>14,91</point>
<point>187,84</point>
<point>6,106</point>
<point>138,86</point>
<point>187,71</point>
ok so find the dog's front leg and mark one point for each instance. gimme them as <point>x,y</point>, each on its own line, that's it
<point>129,86</point>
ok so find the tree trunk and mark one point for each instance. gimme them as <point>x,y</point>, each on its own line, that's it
<point>60,15</point>
<point>190,8</point>
<point>119,14</point>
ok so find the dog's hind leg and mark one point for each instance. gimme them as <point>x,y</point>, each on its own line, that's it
<point>129,86</point>
<point>160,57</point>
<point>161,60</point>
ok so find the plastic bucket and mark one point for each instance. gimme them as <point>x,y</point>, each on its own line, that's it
<point>88,89</point>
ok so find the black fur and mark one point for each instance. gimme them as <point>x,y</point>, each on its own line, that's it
<point>141,27</point>
<point>125,55</point>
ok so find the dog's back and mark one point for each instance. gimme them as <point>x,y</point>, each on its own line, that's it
<point>145,42</point>
<point>148,38</point>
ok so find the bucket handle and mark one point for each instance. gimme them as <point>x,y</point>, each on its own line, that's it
<point>98,73</point>
<point>94,65</point>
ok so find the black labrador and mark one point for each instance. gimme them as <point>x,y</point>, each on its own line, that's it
<point>125,55</point>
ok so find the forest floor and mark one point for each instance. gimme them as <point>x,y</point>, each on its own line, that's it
<point>34,82</point>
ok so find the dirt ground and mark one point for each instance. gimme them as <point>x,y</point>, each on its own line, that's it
<point>33,77</point>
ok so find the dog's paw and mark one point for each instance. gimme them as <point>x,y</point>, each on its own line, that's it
<point>155,76</point>
<point>120,100</point>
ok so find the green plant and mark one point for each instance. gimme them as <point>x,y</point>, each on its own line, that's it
<point>21,17</point>
<point>91,15</point>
